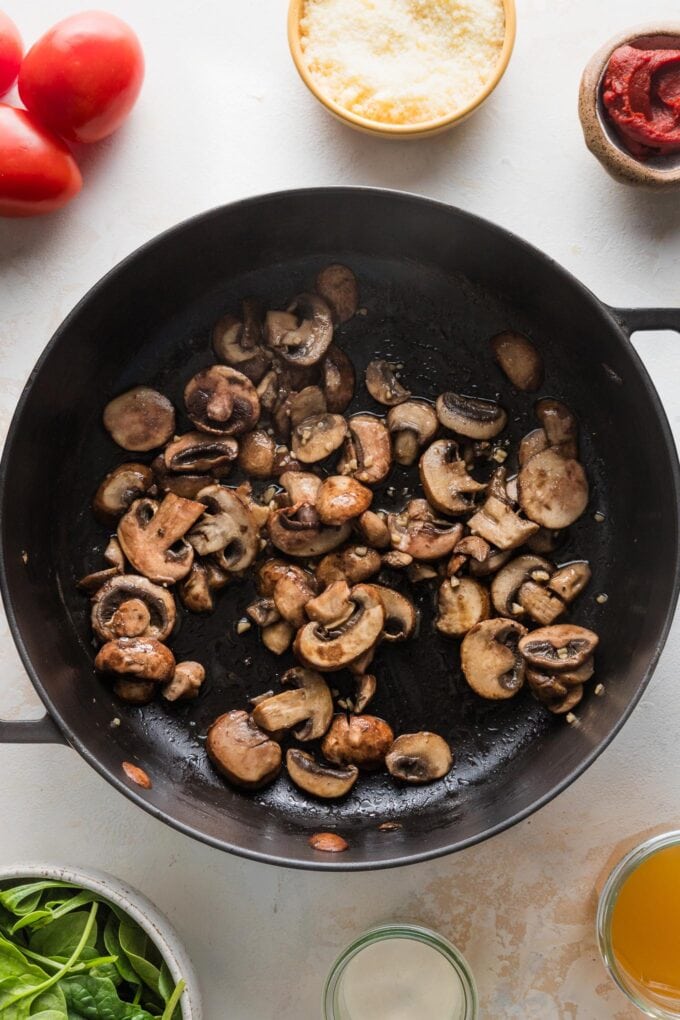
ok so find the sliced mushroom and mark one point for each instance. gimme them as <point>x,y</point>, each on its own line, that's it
<point>361,740</point>
<point>238,342</point>
<point>196,451</point>
<point>338,286</point>
<point>354,564</point>
<point>418,572</point>
<point>119,489</point>
<point>269,573</point>
<point>258,512</point>
<point>257,454</point>
<point>298,531</point>
<point>534,442</point>
<point>268,390</point>
<point>462,606</point>
<point>508,581</point>
<point>374,529</point>
<point>542,605</point>
<point>328,650</point>
<point>333,606</point>
<point>367,454</point>
<point>396,560</point>
<point>278,637</point>
<point>141,657</point>
<point>195,590</point>
<point>135,692</point>
<point>570,580</point>
<point>340,499</point>
<point>366,685</point>
<point>307,335</point>
<point>319,780</point>
<point>568,677</point>
<point>186,683</point>
<point>359,666</point>
<point>553,490</point>
<point>445,479</point>
<point>519,360</point>
<point>307,709</point>
<point>310,402</point>
<point>227,526</point>
<point>91,583</point>
<point>130,619</point>
<point>473,546</point>
<point>338,380</point>
<point>140,419</point>
<point>263,612</point>
<point>152,534</point>
<point>301,486</point>
<point>473,417</point>
<point>412,425</point>
<point>222,401</point>
<point>561,647</point>
<point>383,384</point>
<point>500,525</point>
<point>241,752</point>
<point>417,531</point>
<point>419,757</point>
<point>292,592</point>
<point>557,697</point>
<point>490,659</point>
<point>185,485</point>
<point>401,617</point>
<point>560,426</point>
<point>119,591</point>
<point>496,559</point>
<point>316,438</point>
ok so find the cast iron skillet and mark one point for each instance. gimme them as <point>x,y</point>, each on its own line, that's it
<point>437,283</point>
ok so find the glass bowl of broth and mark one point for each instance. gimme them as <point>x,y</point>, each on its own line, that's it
<point>400,972</point>
<point>638,926</point>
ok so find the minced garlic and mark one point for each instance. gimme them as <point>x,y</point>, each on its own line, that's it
<point>402,61</point>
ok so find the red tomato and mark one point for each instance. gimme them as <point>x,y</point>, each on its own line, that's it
<point>37,171</point>
<point>11,49</point>
<point>83,76</point>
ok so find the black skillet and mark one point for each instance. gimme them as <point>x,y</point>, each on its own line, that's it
<point>436,283</point>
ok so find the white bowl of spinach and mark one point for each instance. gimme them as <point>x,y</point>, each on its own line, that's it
<point>82,945</point>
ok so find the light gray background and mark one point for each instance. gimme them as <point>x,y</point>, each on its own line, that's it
<point>223,115</point>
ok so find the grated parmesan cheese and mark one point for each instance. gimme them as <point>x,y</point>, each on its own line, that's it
<point>402,61</point>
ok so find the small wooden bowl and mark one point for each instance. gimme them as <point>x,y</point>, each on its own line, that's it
<point>375,127</point>
<point>600,134</point>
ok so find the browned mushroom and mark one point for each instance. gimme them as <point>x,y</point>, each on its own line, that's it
<point>542,605</point>
<point>157,602</point>
<point>519,360</point>
<point>186,683</point>
<point>238,342</point>
<point>195,589</point>
<point>333,606</point>
<point>475,547</point>
<point>141,657</point>
<point>227,526</point>
<point>354,564</point>
<point>383,385</point>
<point>444,476</point>
<point>412,424</point>
<point>306,335</point>
<point>152,534</point>
<point>241,752</point>
<point>396,560</point>
<point>298,531</point>
<point>557,697</point>
<point>307,709</point>
<point>140,419</point>
<point>367,454</point>
<point>91,583</point>
<point>338,286</point>
<point>374,529</point>
<point>419,757</point>
<point>268,391</point>
<point>257,454</point>
<point>553,490</point>
<point>534,442</point>
<point>340,499</point>
<point>510,578</point>
<point>135,692</point>
<point>300,486</point>
<point>185,485</point>
<point>222,401</point>
<point>401,617</point>
<point>561,647</point>
<point>560,426</point>
<point>417,532</point>
<point>292,592</point>
<point>361,740</point>
<point>319,780</point>
<point>119,489</point>
<point>196,452</point>
<point>328,650</point>
<point>461,606</point>
<point>316,438</point>
<point>309,402</point>
<point>338,379</point>
<point>490,659</point>
<point>366,686</point>
<point>473,417</point>
<point>278,637</point>
<point>498,523</point>
<point>263,612</point>
<point>570,580</point>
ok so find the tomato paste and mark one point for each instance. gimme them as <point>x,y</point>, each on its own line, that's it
<point>641,93</point>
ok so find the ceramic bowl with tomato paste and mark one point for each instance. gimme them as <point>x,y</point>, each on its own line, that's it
<point>629,105</point>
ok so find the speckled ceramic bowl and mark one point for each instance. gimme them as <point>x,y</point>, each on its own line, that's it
<point>137,906</point>
<point>375,127</point>
<point>600,135</point>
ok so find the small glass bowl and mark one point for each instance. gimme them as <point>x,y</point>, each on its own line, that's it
<point>332,1007</point>
<point>605,910</point>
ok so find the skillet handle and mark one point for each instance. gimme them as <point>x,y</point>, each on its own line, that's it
<point>31,731</point>
<point>632,319</point>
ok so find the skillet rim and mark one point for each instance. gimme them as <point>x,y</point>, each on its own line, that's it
<point>608,313</point>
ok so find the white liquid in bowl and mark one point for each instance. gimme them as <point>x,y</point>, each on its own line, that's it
<point>400,979</point>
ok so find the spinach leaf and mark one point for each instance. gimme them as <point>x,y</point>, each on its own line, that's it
<point>138,949</point>
<point>24,898</point>
<point>113,946</point>
<point>60,937</point>
<point>17,975</point>
<point>94,997</point>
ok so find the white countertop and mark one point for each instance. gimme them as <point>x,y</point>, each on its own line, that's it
<point>223,115</point>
